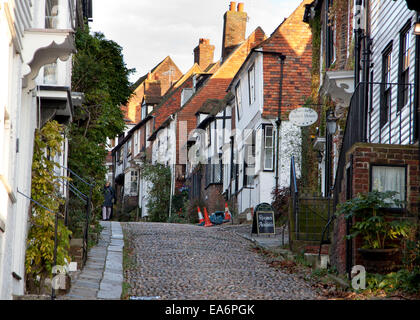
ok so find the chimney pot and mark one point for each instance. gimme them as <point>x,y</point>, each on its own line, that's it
<point>234,28</point>
<point>204,41</point>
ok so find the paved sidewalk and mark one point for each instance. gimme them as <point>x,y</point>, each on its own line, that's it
<point>277,241</point>
<point>102,276</point>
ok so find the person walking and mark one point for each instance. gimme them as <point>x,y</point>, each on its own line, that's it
<point>109,196</point>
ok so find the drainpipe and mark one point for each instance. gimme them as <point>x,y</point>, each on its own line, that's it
<point>278,122</point>
<point>366,70</point>
<point>282,57</point>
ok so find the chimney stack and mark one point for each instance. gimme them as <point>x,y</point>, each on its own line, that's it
<point>234,28</point>
<point>204,53</point>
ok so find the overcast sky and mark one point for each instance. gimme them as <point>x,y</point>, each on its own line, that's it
<point>150,30</point>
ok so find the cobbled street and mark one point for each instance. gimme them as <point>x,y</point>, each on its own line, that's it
<point>177,261</point>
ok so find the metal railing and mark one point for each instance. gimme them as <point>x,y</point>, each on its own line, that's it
<point>294,194</point>
<point>87,200</point>
<point>377,114</point>
<point>309,213</point>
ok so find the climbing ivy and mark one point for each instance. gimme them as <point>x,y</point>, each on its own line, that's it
<point>45,190</point>
<point>309,173</point>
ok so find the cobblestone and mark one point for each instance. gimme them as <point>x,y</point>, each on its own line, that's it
<point>175,261</point>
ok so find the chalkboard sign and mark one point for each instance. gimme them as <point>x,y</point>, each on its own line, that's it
<point>263,220</point>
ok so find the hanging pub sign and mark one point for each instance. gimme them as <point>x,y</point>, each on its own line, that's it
<point>303,117</point>
<point>263,221</point>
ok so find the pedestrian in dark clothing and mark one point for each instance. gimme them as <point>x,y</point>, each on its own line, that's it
<point>109,196</point>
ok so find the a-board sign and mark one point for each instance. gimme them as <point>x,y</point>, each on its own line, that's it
<point>263,221</point>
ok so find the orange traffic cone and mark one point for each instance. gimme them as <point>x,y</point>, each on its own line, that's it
<point>227,213</point>
<point>200,216</point>
<point>207,219</point>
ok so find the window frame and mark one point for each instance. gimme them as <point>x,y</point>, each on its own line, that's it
<point>49,76</point>
<point>51,19</point>
<point>373,165</point>
<point>129,147</point>
<point>386,87</point>
<point>251,83</point>
<point>238,100</point>
<point>404,66</point>
<point>208,135</point>
<point>264,128</point>
<point>248,180</point>
<point>136,181</point>
<point>143,110</point>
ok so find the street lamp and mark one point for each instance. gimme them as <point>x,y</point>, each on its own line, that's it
<point>331,122</point>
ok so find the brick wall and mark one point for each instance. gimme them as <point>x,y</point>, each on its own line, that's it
<point>204,53</point>
<point>215,87</point>
<point>293,38</point>
<point>166,73</point>
<point>364,156</point>
<point>234,28</point>
<point>212,196</point>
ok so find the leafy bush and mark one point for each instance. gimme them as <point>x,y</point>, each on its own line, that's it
<point>280,205</point>
<point>408,281</point>
<point>158,177</point>
<point>39,258</point>
<point>372,224</point>
<point>192,209</point>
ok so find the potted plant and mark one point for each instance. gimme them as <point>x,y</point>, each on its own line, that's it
<point>379,232</point>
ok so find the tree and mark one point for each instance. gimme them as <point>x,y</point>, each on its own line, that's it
<point>100,73</point>
<point>158,177</point>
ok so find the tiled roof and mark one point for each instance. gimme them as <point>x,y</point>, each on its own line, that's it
<point>215,87</point>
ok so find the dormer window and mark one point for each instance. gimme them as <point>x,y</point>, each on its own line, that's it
<point>51,14</point>
<point>143,110</point>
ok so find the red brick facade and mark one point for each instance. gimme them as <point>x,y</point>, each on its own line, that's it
<point>234,28</point>
<point>204,54</point>
<point>153,85</point>
<point>293,38</point>
<point>365,155</point>
<point>215,87</point>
